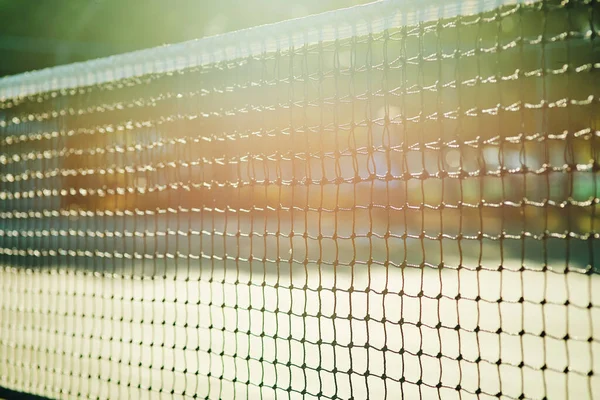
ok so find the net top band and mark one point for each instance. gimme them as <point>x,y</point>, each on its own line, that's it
<point>333,25</point>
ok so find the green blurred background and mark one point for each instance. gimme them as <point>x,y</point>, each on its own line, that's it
<point>36,34</point>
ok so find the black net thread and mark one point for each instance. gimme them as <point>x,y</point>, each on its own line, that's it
<point>409,214</point>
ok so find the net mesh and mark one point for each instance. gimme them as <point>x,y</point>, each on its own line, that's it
<point>406,213</point>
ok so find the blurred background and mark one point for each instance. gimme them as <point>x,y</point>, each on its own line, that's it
<point>41,34</point>
<point>220,172</point>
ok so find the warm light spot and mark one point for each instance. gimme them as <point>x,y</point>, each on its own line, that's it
<point>453,158</point>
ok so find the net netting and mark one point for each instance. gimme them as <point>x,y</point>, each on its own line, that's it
<point>390,201</point>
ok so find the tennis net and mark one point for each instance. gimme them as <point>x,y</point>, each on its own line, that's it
<point>395,200</point>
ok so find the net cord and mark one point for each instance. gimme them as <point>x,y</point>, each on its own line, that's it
<point>339,24</point>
